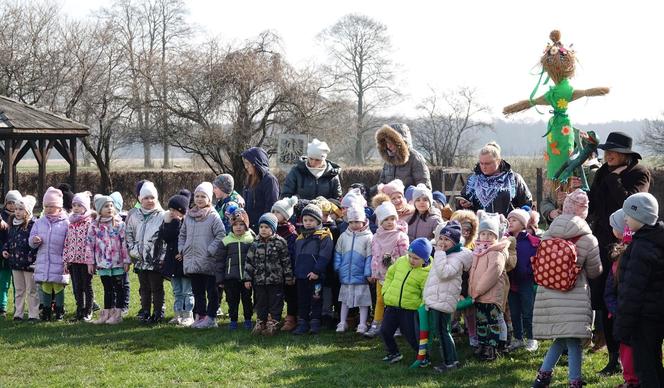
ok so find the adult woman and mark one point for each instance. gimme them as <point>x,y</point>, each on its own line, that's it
<point>493,186</point>
<point>261,188</point>
<point>314,175</point>
<point>394,145</point>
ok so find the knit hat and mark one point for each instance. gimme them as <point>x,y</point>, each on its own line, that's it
<point>317,149</point>
<point>421,190</point>
<point>225,183</point>
<point>356,213</point>
<point>385,210</point>
<point>521,215</point>
<point>179,202</point>
<point>28,203</point>
<point>576,204</point>
<point>118,202</point>
<point>617,221</point>
<point>205,188</point>
<point>354,196</point>
<point>148,189</point>
<point>139,186</point>
<point>421,247</point>
<point>270,220</point>
<point>67,195</point>
<point>240,215</point>
<point>395,186</point>
<point>82,199</point>
<point>52,197</point>
<point>101,200</point>
<point>314,211</point>
<point>452,231</point>
<point>642,207</point>
<point>409,193</point>
<point>335,207</point>
<point>439,197</point>
<point>489,222</point>
<point>285,206</point>
<point>231,207</point>
<point>13,196</point>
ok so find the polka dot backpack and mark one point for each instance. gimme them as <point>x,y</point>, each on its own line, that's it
<point>554,264</point>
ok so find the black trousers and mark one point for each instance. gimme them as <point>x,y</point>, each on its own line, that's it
<point>647,350</point>
<point>113,291</point>
<point>81,282</point>
<point>151,290</point>
<point>290,293</point>
<point>236,291</point>
<point>398,318</point>
<point>127,290</point>
<point>269,299</point>
<point>309,300</point>
<point>202,286</point>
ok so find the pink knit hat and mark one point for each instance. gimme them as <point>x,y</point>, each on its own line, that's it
<point>53,197</point>
<point>576,203</point>
<point>396,186</point>
<point>83,199</point>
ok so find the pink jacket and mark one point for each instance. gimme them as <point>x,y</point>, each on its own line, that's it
<point>488,279</point>
<point>392,242</point>
<point>76,241</point>
<point>106,246</point>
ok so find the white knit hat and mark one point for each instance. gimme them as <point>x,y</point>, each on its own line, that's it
<point>148,189</point>
<point>285,206</point>
<point>521,215</point>
<point>205,188</point>
<point>385,210</point>
<point>13,196</point>
<point>354,196</point>
<point>421,190</point>
<point>317,149</point>
<point>356,213</point>
<point>28,202</point>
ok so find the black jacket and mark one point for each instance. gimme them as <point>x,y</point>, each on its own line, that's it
<point>302,183</point>
<point>168,243</point>
<point>21,256</point>
<point>259,199</point>
<point>641,282</point>
<point>511,191</point>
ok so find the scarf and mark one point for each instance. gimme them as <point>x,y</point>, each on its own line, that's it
<point>56,217</point>
<point>486,188</point>
<point>481,247</point>
<point>74,218</point>
<point>199,214</point>
<point>317,172</point>
<point>386,240</point>
<point>16,221</point>
<point>456,248</point>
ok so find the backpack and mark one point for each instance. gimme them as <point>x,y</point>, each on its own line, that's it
<point>554,264</point>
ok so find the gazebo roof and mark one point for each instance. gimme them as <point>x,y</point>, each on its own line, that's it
<point>18,120</point>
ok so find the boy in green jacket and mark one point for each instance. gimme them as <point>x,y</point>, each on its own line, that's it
<point>402,293</point>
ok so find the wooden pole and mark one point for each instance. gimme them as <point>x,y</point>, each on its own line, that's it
<point>73,164</point>
<point>540,188</point>
<point>8,167</point>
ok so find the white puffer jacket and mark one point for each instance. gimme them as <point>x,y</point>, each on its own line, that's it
<point>443,286</point>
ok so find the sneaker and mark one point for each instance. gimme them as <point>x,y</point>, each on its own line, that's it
<point>247,324</point>
<point>177,319</point>
<point>532,345</point>
<point>392,358</point>
<point>232,326</point>
<point>187,319</point>
<point>18,319</point>
<point>87,317</point>
<point>341,327</point>
<point>361,328</point>
<point>373,331</point>
<point>95,307</point>
<point>198,322</point>
<point>474,342</point>
<point>33,320</point>
<point>425,363</point>
<point>444,368</point>
<point>207,323</point>
<point>516,344</point>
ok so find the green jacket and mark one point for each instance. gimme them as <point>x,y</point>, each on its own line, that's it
<point>232,256</point>
<point>404,284</point>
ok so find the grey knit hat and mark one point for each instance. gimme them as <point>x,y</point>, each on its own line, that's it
<point>225,183</point>
<point>642,207</point>
<point>314,211</point>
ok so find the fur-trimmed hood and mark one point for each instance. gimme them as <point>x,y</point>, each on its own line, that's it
<point>398,134</point>
<point>469,217</point>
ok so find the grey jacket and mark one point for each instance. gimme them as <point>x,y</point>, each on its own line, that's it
<point>406,163</point>
<point>141,235</point>
<point>198,243</point>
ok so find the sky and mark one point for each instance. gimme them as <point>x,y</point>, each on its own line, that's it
<point>492,46</point>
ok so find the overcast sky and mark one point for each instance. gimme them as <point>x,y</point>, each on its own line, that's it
<point>490,45</point>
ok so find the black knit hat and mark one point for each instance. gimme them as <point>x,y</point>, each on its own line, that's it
<point>180,201</point>
<point>314,211</point>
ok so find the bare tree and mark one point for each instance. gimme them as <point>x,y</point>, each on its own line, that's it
<point>449,125</point>
<point>359,49</point>
<point>652,137</point>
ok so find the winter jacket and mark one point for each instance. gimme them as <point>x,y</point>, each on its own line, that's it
<point>567,314</point>
<point>301,182</point>
<point>404,284</point>
<point>387,242</point>
<point>352,256</point>
<point>76,241</point>
<point>611,291</point>
<point>488,279</point>
<point>21,255</point>
<point>500,193</point>
<point>268,262</point>
<point>313,251</point>
<point>288,232</point>
<point>443,285</point>
<point>5,216</point>
<point>259,199</point>
<point>222,205</point>
<point>106,246</point>
<point>199,242</point>
<point>142,232</point>
<point>406,164</point>
<point>232,256</point>
<point>167,246</point>
<point>49,266</point>
<point>641,287</point>
<point>526,247</point>
<point>420,227</point>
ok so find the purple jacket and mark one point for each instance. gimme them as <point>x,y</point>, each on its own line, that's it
<point>526,247</point>
<point>49,266</point>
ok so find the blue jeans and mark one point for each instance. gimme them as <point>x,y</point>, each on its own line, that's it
<point>574,356</point>
<point>182,294</point>
<point>521,304</point>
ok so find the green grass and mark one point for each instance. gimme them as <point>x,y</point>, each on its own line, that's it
<point>81,354</point>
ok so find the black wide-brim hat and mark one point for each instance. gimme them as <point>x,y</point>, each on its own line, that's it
<point>619,142</point>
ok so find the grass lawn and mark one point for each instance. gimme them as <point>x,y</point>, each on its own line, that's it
<point>81,354</point>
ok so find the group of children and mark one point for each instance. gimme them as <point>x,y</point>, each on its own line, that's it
<point>392,259</point>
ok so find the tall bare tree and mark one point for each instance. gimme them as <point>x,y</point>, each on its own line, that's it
<point>652,138</point>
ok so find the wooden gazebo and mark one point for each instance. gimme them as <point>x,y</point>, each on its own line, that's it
<point>26,128</point>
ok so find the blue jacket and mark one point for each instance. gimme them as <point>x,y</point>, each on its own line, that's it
<point>259,199</point>
<point>352,257</point>
<point>526,247</point>
<point>312,253</point>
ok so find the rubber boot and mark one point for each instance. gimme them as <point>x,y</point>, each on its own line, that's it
<point>543,379</point>
<point>302,327</point>
<point>314,326</point>
<point>612,367</point>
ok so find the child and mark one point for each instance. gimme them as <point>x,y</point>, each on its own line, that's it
<point>268,267</point>
<point>201,233</point>
<point>106,252</point>
<point>183,296</point>
<point>443,287</point>
<point>469,224</point>
<point>21,258</point>
<point>425,219</point>
<point>389,243</point>
<point>283,210</point>
<point>8,210</point>
<point>223,187</point>
<point>394,191</point>
<point>232,261</point>
<point>331,285</point>
<point>313,250</point>
<point>486,283</point>
<point>440,203</point>
<point>74,255</point>
<point>402,292</point>
<point>48,234</point>
<point>521,296</point>
<point>640,313</point>
<point>352,261</point>
<point>566,316</point>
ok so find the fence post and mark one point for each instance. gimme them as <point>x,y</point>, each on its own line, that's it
<point>540,188</point>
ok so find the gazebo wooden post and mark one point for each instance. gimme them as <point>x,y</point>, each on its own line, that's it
<point>73,162</point>
<point>8,166</point>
